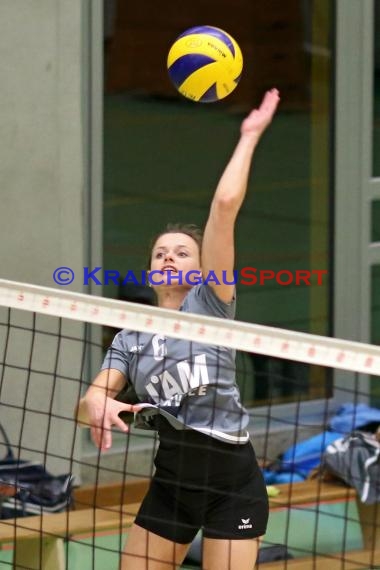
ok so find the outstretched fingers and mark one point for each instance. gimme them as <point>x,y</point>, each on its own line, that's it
<point>270,99</point>
<point>106,437</point>
<point>270,102</point>
<point>258,120</point>
<point>97,435</point>
<point>102,432</point>
<point>117,421</point>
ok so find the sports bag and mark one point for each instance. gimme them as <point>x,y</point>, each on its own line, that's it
<point>27,488</point>
<point>356,459</point>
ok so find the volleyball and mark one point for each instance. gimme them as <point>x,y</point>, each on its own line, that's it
<point>205,64</point>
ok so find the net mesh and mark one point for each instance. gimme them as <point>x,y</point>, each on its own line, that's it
<point>51,345</point>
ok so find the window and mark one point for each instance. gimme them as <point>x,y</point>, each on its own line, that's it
<point>375,234</point>
<point>163,155</point>
<point>376,110</point>
<point>375,328</point>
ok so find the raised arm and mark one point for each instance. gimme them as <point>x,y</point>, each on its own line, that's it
<point>218,242</point>
<point>98,409</point>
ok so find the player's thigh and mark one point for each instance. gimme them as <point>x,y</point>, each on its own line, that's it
<point>223,554</point>
<point>145,550</point>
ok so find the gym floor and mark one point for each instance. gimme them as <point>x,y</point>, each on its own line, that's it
<point>328,530</point>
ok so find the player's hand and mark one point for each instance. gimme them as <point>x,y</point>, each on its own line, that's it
<point>258,119</point>
<point>103,415</point>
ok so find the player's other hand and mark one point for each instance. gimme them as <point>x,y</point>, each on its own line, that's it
<point>257,121</point>
<point>103,414</point>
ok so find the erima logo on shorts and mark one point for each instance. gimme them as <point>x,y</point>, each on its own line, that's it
<point>245,524</point>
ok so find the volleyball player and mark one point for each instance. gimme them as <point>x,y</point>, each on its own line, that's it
<point>206,471</point>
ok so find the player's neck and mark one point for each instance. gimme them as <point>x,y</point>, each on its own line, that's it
<point>171,298</point>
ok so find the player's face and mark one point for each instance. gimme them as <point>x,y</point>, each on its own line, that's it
<point>175,252</point>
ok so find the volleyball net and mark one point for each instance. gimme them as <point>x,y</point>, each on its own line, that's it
<point>52,344</point>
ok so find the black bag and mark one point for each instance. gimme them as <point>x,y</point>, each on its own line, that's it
<point>356,459</point>
<point>26,488</point>
<point>274,553</point>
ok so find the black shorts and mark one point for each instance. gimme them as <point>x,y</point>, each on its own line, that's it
<point>201,482</point>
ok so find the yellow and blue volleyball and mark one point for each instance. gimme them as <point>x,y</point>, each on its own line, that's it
<point>205,64</point>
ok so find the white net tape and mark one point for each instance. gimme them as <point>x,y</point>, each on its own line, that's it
<point>281,343</point>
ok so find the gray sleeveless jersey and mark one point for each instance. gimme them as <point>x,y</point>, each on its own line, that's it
<point>189,383</point>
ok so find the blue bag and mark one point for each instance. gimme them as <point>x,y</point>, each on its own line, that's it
<point>350,417</point>
<point>307,455</point>
<point>296,463</point>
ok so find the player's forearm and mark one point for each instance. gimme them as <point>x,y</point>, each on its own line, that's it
<point>81,413</point>
<point>232,187</point>
<point>94,395</point>
<point>108,383</point>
